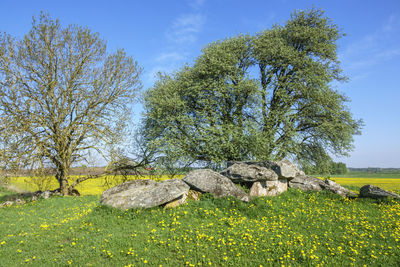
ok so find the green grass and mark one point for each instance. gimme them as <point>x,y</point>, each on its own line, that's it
<point>4,192</point>
<point>294,229</point>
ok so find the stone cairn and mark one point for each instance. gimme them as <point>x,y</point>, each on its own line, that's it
<point>267,178</point>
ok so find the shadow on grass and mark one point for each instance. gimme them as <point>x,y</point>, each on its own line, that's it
<point>7,194</point>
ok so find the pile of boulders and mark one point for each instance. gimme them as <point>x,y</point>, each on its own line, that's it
<point>266,178</point>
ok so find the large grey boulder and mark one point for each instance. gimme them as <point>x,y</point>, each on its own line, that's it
<point>307,183</point>
<point>209,181</point>
<point>284,168</point>
<point>241,172</point>
<point>376,192</point>
<point>268,188</point>
<point>144,193</point>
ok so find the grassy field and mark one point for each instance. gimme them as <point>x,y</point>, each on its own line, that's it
<point>293,229</point>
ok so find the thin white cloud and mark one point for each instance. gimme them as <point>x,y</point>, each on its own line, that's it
<point>185,28</point>
<point>375,48</point>
<point>180,34</point>
<point>170,56</point>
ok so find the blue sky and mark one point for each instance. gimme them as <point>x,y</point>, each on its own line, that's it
<point>163,35</point>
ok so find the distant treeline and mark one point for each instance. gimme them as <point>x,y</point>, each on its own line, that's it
<point>375,170</point>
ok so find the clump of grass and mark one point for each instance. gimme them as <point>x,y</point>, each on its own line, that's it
<point>295,228</point>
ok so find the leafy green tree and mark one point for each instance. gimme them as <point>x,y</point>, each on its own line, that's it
<point>204,112</point>
<point>61,96</point>
<point>339,168</point>
<point>267,96</point>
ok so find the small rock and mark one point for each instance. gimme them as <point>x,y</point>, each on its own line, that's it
<point>191,194</point>
<point>46,194</point>
<point>19,201</point>
<point>7,204</point>
<point>194,195</point>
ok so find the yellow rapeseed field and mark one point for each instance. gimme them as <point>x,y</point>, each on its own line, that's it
<point>391,184</point>
<point>88,187</point>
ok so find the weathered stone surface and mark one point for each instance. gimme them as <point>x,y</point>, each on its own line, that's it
<point>306,183</point>
<point>242,173</point>
<point>268,188</point>
<point>338,189</point>
<point>208,181</point>
<point>376,192</point>
<point>144,193</point>
<point>284,168</point>
<point>135,185</point>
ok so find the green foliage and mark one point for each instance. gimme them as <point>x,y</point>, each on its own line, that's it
<point>340,168</point>
<point>202,112</point>
<point>327,167</point>
<point>267,96</point>
<point>295,228</point>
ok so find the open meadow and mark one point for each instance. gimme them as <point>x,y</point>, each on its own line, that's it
<point>293,229</point>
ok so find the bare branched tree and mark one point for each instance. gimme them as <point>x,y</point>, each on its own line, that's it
<point>61,96</point>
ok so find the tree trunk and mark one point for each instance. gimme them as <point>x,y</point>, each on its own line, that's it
<point>62,178</point>
<point>64,187</point>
